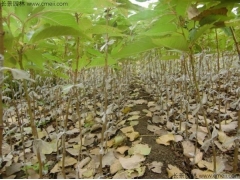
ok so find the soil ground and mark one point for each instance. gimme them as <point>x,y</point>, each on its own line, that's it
<point>166,154</point>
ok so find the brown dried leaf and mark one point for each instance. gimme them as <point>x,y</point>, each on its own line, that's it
<point>122,149</point>
<point>153,128</point>
<point>127,129</point>
<point>155,166</point>
<point>175,173</point>
<point>108,158</point>
<point>197,173</point>
<point>133,135</point>
<point>115,167</point>
<point>188,149</point>
<point>228,127</point>
<point>69,161</point>
<point>165,139</point>
<point>142,149</point>
<point>73,151</point>
<point>132,162</point>
<point>16,167</point>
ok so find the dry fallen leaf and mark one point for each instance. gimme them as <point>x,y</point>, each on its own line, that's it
<point>188,148</point>
<point>155,166</point>
<point>134,117</point>
<point>127,129</point>
<point>165,139</point>
<point>122,149</point>
<point>220,165</point>
<point>133,135</point>
<point>143,149</point>
<point>153,128</point>
<point>197,173</point>
<point>115,167</point>
<point>108,158</point>
<point>131,162</point>
<point>228,127</point>
<point>69,161</point>
<point>175,173</point>
<point>16,167</point>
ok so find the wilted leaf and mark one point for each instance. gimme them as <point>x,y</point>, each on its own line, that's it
<point>127,129</point>
<point>188,149</point>
<point>178,138</point>
<point>196,158</point>
<point>108,158</point>
<point>142,149</point>
<point>197,173</point>
<point>155,166</point>
<point>16,167</point>
<point>220,165</point>
<point>5,149</point>
<point>228,127</point>
<point>153,128</point>
<point>55,169</point>
<point>88,173</point>
<point>175,173</point>
<point>115,167</point>
<point>165,139</point>
<point>73,151</point>
<point>122,149</point>
<point>132,162</point>
<point>134,117</point>
<point>121,175</point>
<point>84,162</point>
<point>32,174</point>
<point>69,161</point>
<point>133,135</point>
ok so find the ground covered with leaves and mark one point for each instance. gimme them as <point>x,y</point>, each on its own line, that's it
<point>152,131</point>
<point>141,144</point>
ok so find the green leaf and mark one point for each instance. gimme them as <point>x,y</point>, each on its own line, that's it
<point>144,15</point>
<point>23,12</point>
<point>135,48</point>
<point>196,33</point>
<point>100,61</point>
<point>59,19</point>
<point>103,29</point>
<point>35,57</point>
<point>176,42</point>
<point>161,29</point>
<point>83,61</point>
<point>54,31</point>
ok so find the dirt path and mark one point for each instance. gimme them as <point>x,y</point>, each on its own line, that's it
<point>160,153</point>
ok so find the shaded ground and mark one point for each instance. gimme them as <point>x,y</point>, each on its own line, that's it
<point>166,154</point>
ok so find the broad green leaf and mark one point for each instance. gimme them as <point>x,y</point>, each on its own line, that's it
<point>35,57</point>
<point>196,33</point>
<point>181,7</point>
<point>160,30</point>
<point>176,42</point>
<point>54,31</point>
<point>22,12</point>
<point>50,57</point>
<point>83,61</point>
<point>103,29</point>
<point>100,61</point>
<point>60,19</point>
<point>135,48</point>
<point>144,15</point>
